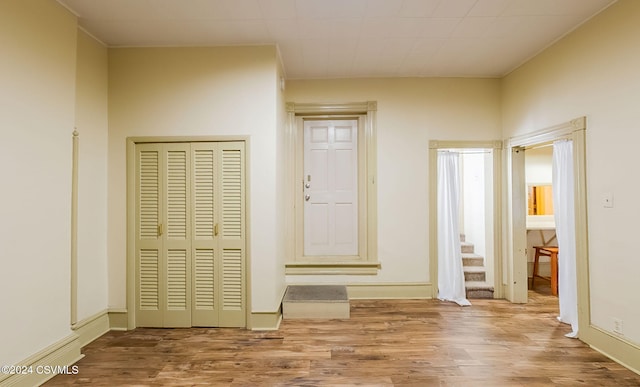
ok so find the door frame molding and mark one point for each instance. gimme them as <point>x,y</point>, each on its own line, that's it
<point>365,112</point>
<point>496,146</point>
<point>131,215</point>
<point>515,222</point>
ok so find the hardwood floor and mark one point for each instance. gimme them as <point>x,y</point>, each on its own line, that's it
<point>386,342</point>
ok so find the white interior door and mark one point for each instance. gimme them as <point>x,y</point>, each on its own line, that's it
<point>330,188</point>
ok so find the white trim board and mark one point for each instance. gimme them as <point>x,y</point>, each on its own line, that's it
<point>92,327</point>
<point>62,353</point>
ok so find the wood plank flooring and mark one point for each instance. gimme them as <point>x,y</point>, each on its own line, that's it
<point>385,343</point>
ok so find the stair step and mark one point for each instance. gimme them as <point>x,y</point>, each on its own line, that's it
<point>478,290</point>
<point>316,302</point>
<point>467,247</point>
<point>471,259</point>
<point>474,273</point>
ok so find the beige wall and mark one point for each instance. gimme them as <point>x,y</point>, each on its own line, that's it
<point>197,92</point>
<point>537,165</point>
<point>92,126</point>
<point>278,277</point>
<point>411,111</point>
<point>594,73</point>
<point>37,104</point>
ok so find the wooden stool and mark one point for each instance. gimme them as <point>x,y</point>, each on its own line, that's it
<point>552,253</point>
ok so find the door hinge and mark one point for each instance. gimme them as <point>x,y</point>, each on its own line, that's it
<point>215,230</point>
<point>160,229</point>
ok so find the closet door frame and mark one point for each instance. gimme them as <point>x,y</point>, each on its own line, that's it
<point>131,215</point>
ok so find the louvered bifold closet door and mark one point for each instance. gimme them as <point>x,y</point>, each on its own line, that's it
<point>163,235</point>
<point>231,237</point>
<point>149,268</point>
<point>204,249</point>
<point>177,234</point>
<point>190,241</point>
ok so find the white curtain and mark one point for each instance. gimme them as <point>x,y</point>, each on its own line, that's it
<point>450,272</point>
<point>563,204</point>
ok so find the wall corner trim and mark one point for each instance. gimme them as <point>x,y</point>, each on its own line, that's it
<point>118,319</point>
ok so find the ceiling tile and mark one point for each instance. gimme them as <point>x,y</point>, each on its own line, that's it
<point>278,9</point>
<point>326,9</point>
<point>427,48</point>
<point>280,30</point>
<point>473,27</point>
<point>383,8</point>
<point>418,8</point>
<point>321,38</point>
<point>439,28</point>
<point>453,8</point>
<point>554,7</point>
<point>243,9</point>
<point>392,28</point>
<point>488,8</point>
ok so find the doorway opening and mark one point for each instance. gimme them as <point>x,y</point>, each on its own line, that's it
<point>540,220</point>
<point>528,227</point>
<point>478,220</point>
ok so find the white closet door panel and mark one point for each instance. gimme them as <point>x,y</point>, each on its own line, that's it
<point>177,237</point>
<point>232,195</point>
<point>204,244</point>
<point>204,279</point>
<point>232,273</point>
<point>204,165</point>
<point>149,255</point>
<point>231,239</point>
<point>176,191</point>
<point>148,194</point>
<point>176,280</point>
<point>149,280</point>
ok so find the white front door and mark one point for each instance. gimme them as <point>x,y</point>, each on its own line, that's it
<point>330,188</point>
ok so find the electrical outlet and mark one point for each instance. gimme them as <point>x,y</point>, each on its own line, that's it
<point>617,326</point>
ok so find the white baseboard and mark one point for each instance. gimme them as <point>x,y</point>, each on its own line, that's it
<point>266,321</point>
<point>118,319</point>
<point>616,348</point>
<point>92,327</point>
<point>389,291</point>
<point>47,363</point>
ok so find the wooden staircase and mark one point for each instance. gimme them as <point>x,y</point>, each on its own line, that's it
<point>475,276</point>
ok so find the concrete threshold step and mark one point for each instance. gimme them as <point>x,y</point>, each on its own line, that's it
<point>316,302</point>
